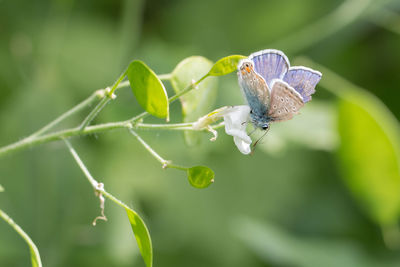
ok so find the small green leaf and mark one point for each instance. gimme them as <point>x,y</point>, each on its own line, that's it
<point>200,176</point>
<point>200,100</point>
<point>142,236</point>
<point>148,89</point>
<point>225,65</point>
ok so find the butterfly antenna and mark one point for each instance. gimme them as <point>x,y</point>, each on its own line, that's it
<point>259,139</point>
<point>255,129</point>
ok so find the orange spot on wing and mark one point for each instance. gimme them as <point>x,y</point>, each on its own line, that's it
<point>248,69</point>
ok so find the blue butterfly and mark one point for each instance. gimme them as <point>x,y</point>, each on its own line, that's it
<point>274,90</point>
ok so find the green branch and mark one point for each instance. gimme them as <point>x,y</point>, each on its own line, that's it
<point>65,134</point>
<point>83,129</point>
<point>85,103</point>
<point>35,256</point>
<point>139,228</point>
<point>165,163</point>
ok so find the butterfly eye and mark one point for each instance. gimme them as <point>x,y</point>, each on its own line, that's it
<point>265,127</point>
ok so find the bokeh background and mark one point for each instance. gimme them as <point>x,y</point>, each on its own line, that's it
<point>297,201</point>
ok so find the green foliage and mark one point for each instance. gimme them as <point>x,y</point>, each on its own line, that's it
<point>148,89</point>
<point>369,151</point>
<point>200,100</point>
<point>225,65</point>
<point>273,243</point>
<point>1,188</point>
<point>369,156</point>
<point>142,236</point>
<point>35,259</point>
<point>200,176</point>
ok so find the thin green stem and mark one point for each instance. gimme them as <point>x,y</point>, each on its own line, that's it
<point>148,148</point>
<point>165,163</point>
<point>67,133</point>
<point>187,89</point>
<point>94,112</point>
<point>123,84</point>
<point>345,14</point>
<point>85,103</point>
<point>63,134</point>
<point>171,99</point>
<point>387,19</point>
<point>173,166</point>
<point>59,135</point>
<point>35,256</point>
<point>167,76</point>
<point>90,178</point>
<point>172,126</point>
<point>96,185</point>
<point>107,97</point>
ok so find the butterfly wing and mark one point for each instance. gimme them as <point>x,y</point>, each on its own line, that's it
<point>270,64</point>
<point>285,101</point>
<point>256,92</point>
<point>303,80</point>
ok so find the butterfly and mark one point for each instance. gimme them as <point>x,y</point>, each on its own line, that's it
<point>274,90</point>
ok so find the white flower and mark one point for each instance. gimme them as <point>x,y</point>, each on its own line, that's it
<point>236,118</point>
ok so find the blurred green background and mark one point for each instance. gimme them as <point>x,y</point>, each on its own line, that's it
<point>300,200</point>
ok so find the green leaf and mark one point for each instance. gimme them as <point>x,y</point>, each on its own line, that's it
<point>369,157</point>
<point>369,151</point>
<point>35,256</point>
<point>142,236</point>
<point>200,176</point>
<point>1,188</point>
<point>225,65</point>
<point>199,101</point>
<point>148,89</point>
<point>276,246</point>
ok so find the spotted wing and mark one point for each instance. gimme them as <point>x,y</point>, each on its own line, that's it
<point>303,80</point>
<point>270,64</point>
<point>285,101</point>
<point>256,92</point>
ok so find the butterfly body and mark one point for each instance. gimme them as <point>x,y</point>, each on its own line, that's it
<point>274,90</point>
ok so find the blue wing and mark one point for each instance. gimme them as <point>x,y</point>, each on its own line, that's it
<point>270,64</point>
<point>256,92</point>
<point>303,80</point>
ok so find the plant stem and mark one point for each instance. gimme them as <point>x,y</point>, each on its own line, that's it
<point>93,181</point>
<point>94,112</point>
<point>171,99</point>
<point>87,102</point>
<point>152,152</point>
<point>59,135</point>
<point>123,84</point>
<point>67,133</point>
<point>90,178</point>
<point>35,256</point>
<point>107,97</point>
<point>172,126</point>
<point>63,134</point>
<point>165,163</point>
<point>187,89</point>
<point>167,76</point>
